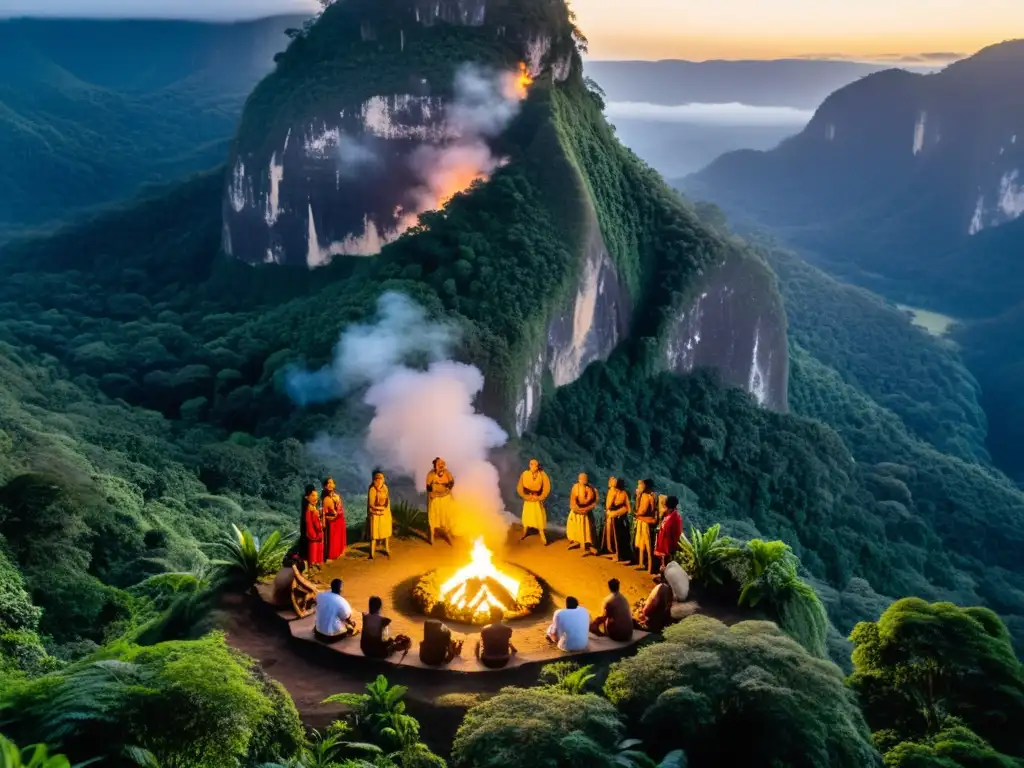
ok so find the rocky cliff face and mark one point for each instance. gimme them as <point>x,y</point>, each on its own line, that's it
<point>893,175</point>
<point>735,325</point>
<point>385,108</point>
<point>342,168</point>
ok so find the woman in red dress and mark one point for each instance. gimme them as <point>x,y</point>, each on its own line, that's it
<point>333,509</point>
<point>312,528</point>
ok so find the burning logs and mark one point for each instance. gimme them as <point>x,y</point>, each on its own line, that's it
<point>467,594</point>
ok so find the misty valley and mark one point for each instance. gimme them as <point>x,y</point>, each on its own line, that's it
<point>402,384</point>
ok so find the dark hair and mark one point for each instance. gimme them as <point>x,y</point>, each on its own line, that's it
<point>648,485</point>
<point>497,614</point>
<point>672,502</point>
<point>434,462</point>
<point>327,480</point>
<point>620,484</point>
<point>309,490</point>
<point>336,586</point>
<point>572,602</point>
<point>376,604</point>
<point>377,471</point>
<point>613,585</point>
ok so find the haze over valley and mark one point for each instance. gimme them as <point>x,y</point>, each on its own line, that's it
<point>505,384</point>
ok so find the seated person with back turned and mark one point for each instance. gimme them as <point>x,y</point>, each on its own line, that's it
<point>570,628</point>
<point>615,620</point>
<point>375,641</point>
<point>333,615</point>
<point>656,612</point>
<point>494,649</point>
<point>438,648</point>
<point>291,589</point>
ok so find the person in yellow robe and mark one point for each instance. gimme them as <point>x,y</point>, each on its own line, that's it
<point>378,513</point>
<point>534,488</point>
<point>579,528</point>
<point>646,522</point>
<point>440,504</point>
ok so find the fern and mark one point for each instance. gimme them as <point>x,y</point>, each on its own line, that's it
<point>408,518</point>
<point>706,555</point>
<point>247,559</point>
<point>567,676</point>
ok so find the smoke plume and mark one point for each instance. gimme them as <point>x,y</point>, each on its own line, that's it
<point>484,104</point>
<point>422,403</point>
<point>354,156</point>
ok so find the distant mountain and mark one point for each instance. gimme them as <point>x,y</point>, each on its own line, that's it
<point>898,181</point>
<point>90,110</point>
<point>801,83</point>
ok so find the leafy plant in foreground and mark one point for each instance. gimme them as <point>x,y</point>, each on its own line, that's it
<point>629,755</point>
<point>567,676</point>
<point>706,555</point>
<point>248,559</point>
<point>35,756</point>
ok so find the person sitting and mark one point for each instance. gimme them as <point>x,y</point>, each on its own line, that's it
<point>375,640</point>
<point>291,589</point>
<point>438,648</point>
<point>494,649</point>
<point>677,579</point>
<point>615,620</point>
<point>333,615</point>
<point>656,612</point>
<point>570,627</point>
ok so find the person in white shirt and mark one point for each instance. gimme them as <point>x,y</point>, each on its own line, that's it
<point>570,629</point>
<point>333,615</point>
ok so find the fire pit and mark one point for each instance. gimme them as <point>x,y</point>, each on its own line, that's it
<point>467,594</point>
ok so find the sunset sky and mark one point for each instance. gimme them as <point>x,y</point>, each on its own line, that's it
<point>691,29</point>
<point>656,29</point>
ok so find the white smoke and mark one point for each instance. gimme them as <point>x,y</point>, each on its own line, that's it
<point>484,105</point>
<point>354,156</point>
<point>419,412</point>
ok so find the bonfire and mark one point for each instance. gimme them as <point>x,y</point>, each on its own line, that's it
<point>469,594</point>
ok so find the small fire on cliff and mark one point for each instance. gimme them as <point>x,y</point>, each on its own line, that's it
<point>479,586</point>
<point>522,82</point>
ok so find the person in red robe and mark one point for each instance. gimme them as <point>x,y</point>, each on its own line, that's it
<point>671,530</point>
<point>333,509</point>
<point>312,528</point>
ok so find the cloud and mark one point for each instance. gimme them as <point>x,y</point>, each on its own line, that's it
<point>709,114</point>
<point>219,10</point>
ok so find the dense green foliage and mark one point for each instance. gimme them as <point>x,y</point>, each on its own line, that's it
<point>955,746</point>
<point>875,349</point>
<point>90,110</point>
<point>745,695</point>
<point>30,757</point>
<point>538,728</point>
<point>196,704</point>
<point>922,663</point>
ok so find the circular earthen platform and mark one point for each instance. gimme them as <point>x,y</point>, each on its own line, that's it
<point>562,573</point>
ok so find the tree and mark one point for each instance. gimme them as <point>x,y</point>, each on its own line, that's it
<point>923,662</point>
<point>955,746</point>
<point>743,695</point>
<point>538,728</point>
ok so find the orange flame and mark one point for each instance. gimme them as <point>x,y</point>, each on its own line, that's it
<point>455,591</point>
<point>518,83</point>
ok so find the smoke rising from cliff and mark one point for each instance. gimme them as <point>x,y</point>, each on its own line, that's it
<point>354,156</point>
<point>422,401</point>
<point>484,105</point>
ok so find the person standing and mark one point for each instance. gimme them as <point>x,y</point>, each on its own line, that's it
<point>440,505</point>
<point>671,531</point>
<point>579,528</point>
<point>646,520</point>
<point>534,488</point>
<point>378,513</point>
<point>335,533</point>
<point>616,521</point>
<point>312,544</point>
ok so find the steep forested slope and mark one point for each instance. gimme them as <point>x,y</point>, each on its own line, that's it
<point>90,110</point>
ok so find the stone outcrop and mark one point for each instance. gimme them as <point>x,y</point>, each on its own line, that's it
<point>736,325</point>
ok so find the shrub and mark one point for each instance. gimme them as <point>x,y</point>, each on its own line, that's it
<point>248,559</point>
<point>706,555</point>
<point>538,728</point>
<point>743,695</point>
